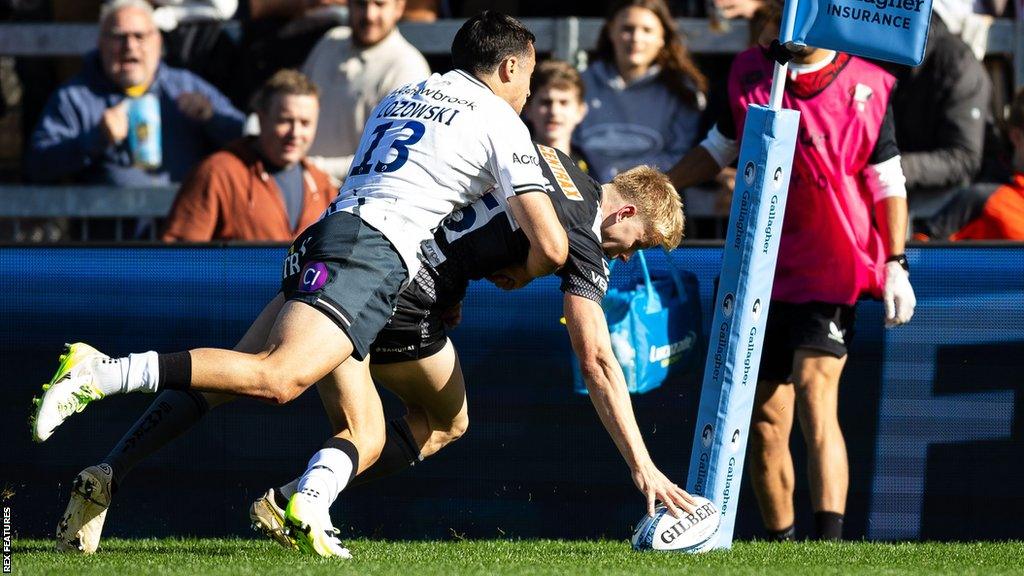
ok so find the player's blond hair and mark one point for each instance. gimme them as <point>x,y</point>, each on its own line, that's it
<point>657,203</point>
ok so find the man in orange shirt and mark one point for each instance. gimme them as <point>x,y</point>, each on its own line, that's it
<point>262,187</point>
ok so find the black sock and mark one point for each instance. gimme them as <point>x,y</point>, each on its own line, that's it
<point>175,370</point>
<point>349,449</point>
<point>171,414</point>
<point>828,526</point>
<point>279,498</point>
<point>784,535</point>
<point>400,452</point>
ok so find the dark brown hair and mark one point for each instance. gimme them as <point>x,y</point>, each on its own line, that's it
<point>557,74</point>
<point>486,39</point>
<point>678,71</point>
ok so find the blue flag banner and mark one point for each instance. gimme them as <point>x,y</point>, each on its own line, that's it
<point>741,310</point>
<point>891,30</point>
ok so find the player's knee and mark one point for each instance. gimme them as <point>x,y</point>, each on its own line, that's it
<point>280,384</point>
<point>457,428</point>
<point>766,435</point>
<point>820,433</point>
<point>283,391</point>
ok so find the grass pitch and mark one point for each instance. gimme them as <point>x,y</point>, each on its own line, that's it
<point>238,556</point>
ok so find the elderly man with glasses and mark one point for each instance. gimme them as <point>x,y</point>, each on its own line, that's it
<point>127,119</point>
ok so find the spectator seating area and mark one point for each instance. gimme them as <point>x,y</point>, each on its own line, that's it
<point>568,39</point>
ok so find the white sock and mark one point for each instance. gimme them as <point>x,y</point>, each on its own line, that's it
<point>326,476</point>
<point>134,373</point>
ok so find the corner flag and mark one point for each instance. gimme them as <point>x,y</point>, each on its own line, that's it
<point>891,30</point>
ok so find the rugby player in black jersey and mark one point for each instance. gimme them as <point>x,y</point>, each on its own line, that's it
<point>413,357</point>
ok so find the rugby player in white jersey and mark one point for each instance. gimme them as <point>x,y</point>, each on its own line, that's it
<point>428,149</point>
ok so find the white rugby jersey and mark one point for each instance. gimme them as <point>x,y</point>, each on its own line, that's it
<point>431,148</point>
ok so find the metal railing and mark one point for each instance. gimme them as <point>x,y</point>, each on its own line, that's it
<point>23,207</point>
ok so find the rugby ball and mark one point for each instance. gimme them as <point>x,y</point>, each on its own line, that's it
<point>693,533</point>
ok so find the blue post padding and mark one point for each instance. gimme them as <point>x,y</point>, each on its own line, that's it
<point>741,309</point>
<point>891,30</point>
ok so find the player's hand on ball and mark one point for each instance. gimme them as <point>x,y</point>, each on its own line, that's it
<point>898,295</point>
<point>656,487</point>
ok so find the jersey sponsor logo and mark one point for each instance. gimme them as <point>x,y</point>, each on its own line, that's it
<point>528,159</point>
<point>435,95</point>
<point>432,253</point>
<point>394,349</point>
<point>561,175</point>
<point>291,261</point>
<point>600,281</point>
<point>313,277</point>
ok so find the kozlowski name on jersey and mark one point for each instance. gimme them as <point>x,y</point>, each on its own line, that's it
<point>430,148</point>
<point>483,238</point>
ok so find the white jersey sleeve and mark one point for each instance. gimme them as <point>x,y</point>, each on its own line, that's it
<point>514,161</point>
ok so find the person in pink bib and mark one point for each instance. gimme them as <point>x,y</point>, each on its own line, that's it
<point>842,240</point>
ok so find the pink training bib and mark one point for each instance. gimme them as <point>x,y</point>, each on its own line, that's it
<point>829,250</point>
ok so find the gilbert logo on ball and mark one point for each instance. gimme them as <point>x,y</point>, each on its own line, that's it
<point>693,533</point>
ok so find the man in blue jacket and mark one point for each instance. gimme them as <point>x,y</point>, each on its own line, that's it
<point>83,131</point>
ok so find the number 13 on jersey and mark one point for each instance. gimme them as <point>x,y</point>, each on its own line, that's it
<point>405,135</point>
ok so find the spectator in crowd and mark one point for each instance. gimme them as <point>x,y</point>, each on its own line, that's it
<point>356,67</point>
<point>556,106</point>
<point>842,239</point>
<point>275,35</point>
<point>84,131</point>
<point>970,20</point>
<point>424,10</point>
<point>194,36</point>
<point>259,187</point>
<point>988,211</point>
<point>741,9</point>
<point>644,93</point>
<point>941,108</point>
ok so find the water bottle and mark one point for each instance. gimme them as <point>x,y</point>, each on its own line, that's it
<point>144,132</point>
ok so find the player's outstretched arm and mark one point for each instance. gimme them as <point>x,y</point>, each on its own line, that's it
<point>588,332</point>
<point>549,246</point>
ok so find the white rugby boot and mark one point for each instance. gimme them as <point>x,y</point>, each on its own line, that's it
<point>81,525</point>
<point>310,525</point>
<point>69,391</point>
